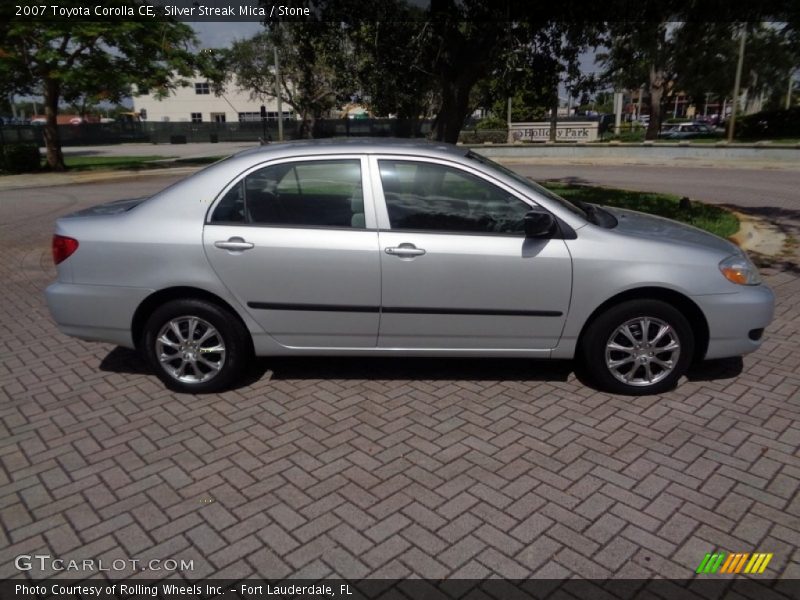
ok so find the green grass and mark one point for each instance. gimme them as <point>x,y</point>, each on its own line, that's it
<point>121,163</point>
<point>714,219</point>
<point>109,163</point>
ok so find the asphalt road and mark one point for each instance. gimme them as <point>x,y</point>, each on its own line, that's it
<point>752,188</point>
<point>746,188</point>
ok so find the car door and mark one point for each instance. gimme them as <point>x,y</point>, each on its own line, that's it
<point>457,270</point>
<point>295,242</point>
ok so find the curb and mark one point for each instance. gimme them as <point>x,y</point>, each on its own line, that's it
<point>41,180</point>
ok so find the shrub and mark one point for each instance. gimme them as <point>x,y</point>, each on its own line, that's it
<point>19,158</point>
<point>770,124</point>
<point>491,123</point>
<point>478,136</point>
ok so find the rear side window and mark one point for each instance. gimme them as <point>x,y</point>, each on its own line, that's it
<point>310,193</point>
<point>430,197</point>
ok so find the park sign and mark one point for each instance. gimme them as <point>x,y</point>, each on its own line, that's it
<point>566,131</point>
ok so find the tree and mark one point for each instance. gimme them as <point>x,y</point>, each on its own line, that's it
<point>459,55</point>
<point>642,53</point>
<point>68,60</point>
<point>705,59</point>
<point>316,70</point>
<point>393,62</point>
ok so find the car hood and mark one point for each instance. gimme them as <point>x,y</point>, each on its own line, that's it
<point>109,208</point>
<point>643,225</point>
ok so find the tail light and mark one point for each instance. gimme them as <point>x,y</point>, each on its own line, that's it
<point>63,248</point>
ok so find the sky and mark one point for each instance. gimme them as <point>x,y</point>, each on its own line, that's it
<point>221,34</point>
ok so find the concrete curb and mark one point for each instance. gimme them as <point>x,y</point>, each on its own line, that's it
<point>41,180</point>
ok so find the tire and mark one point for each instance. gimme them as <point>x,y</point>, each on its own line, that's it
<point>618,359</point>
<point>213,361</point>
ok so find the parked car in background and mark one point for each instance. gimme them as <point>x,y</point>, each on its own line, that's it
<point>375,247</point>
<point>685,131</point>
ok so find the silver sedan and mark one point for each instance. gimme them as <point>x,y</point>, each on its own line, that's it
<point>371,247</point>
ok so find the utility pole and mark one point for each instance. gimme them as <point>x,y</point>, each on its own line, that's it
<point>617,112</point>
<point>278,92</point>
<point>789,91</point>
<point>510,138</point>
<point>639,104</point>
<point>737,82</point>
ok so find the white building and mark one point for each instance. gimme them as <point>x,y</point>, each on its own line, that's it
<point>197,103</point>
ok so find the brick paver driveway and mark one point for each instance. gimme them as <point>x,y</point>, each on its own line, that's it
<point>381,468</point>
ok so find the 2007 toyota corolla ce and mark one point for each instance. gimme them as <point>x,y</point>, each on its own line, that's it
<point>397,248</point>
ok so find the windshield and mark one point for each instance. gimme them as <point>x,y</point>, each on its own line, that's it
<point>532,185</point>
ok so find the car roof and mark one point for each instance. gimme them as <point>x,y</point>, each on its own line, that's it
<point>410,147</point>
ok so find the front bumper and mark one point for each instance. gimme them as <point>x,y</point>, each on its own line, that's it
<point>732,317</point>
<point>95,312</point>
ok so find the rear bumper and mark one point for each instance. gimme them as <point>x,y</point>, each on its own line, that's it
<point>734,318</point>
<point>95,312</point>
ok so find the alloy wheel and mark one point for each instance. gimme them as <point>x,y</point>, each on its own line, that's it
<point>190,349</point>
<point>642,351</point>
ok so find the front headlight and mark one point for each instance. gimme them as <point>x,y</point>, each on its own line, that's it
<point>739,269</point>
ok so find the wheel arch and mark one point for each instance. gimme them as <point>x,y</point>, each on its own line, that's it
<point>680,301</point>
<point>158,298</point>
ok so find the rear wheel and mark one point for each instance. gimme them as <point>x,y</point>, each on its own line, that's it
<point>195,346</point>
<point>638,347</point>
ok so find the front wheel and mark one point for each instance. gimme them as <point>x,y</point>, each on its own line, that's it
<point>638,347</point>
<point>195,346</point>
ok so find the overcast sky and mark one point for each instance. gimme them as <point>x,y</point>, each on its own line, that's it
<point>221,34</point>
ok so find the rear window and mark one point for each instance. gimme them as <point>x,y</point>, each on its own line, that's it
<point>310,193</point>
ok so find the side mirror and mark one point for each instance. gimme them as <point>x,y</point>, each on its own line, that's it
<point>539,224</point>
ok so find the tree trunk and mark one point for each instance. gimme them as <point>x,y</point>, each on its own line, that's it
<point>452,112</point>
<point>654,103</point>
<point>554,117</point>
<point>55,157</point>
<point>307,125</point>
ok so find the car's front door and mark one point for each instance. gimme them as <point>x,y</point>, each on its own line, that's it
<point>295,242</point>
<point>457,270</point>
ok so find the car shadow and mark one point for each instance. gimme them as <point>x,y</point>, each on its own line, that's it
<point>124,360</point>
<point>713,370</point>
<point>413,368</point>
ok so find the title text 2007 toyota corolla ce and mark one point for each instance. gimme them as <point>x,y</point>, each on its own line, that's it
<point>397,248</point>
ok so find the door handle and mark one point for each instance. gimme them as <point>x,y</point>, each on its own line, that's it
<point>234,243</point>
<point>405,250</point>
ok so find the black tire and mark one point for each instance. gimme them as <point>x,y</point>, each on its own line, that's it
<point>229,334</point>
<point>634,365</point>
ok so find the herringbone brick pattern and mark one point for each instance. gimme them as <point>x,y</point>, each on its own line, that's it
<point>381,468</point>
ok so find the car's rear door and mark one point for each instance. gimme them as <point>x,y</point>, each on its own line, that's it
<point>457,270</point>
<point>295,242</point>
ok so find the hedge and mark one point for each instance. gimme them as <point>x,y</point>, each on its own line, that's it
<point>784,123</point>
<point>479,136</point>
<point>19,158</point>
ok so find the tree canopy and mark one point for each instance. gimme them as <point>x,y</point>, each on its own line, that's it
<point>67,61</point>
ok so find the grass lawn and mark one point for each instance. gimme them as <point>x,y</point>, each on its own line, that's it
<point>91,163</point>
<point>120,163</point>
<point>715,219</point>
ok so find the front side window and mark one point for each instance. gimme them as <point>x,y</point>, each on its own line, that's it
<point>424,196</point>
<point>312,194</point>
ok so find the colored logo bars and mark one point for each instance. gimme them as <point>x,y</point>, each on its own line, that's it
<point>742,562</point>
